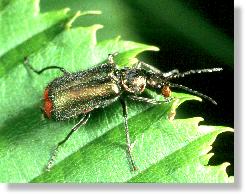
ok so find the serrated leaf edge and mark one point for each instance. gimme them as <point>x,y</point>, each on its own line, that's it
<point>68,25</point>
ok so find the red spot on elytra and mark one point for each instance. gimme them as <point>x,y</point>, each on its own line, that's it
<point>47,104</point>
<point>87,110</point>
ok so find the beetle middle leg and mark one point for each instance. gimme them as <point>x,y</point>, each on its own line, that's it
<point>128,141</point>
<point>82,121</point>
<point>27,63</point>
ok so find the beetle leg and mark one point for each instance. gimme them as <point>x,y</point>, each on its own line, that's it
<point>111,57</point>
<point>145,66</point>
<point>148,100</point>
<point>26,62</point>
<point>172,72</point>
<point>128,142</point>
<point>82,121</point>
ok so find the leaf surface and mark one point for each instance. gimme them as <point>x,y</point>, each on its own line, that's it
<point>95,153</point>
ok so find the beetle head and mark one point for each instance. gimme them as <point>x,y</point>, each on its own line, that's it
<point>162,81</point>
<point>159,81</point>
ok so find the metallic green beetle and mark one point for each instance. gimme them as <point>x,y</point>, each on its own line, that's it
<point>78,94</point>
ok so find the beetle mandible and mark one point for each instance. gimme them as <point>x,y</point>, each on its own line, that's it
<point>78,94</point>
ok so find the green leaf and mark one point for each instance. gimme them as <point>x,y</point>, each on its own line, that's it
<point>95,153</point>
<point>188,164</point>
<point>24,30</point>
<point>164,152</point>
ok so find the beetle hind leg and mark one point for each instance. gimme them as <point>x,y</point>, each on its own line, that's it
<point>82,121</point>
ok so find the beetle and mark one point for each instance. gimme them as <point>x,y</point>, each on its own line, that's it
<point>78,94</point>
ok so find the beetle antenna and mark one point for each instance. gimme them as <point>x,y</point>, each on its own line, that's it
<point>183,74</point>
<point>193,92</point>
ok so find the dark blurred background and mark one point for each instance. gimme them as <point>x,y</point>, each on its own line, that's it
<point>191,34</point>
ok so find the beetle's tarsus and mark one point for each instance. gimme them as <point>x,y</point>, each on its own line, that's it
<point>52,159</point>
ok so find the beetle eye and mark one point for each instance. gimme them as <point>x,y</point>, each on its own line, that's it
<point>166,91</point>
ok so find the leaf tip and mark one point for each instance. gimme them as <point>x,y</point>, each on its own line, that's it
<point>78,14</point>
<point>205,129</point>
<point>223,168</point>
<point>97,27</point>
<point>209,155</point>
<point>91,12</point>
<point>179,99</point>
<point>225,165</point>
<point>66,10</point>
<point>204,159</point>
<point>36,7</point>
<point>230,129</point>
<point>172,112</point>
<point>154,48</point>
<point>94,29</point>
<point>70,22</point>
<point>150,48</point>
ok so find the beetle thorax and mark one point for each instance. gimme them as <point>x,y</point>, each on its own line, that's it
<point>133,80</point>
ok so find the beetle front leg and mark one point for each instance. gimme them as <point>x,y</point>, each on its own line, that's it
<point>143,65</point>
<point>148,67</point>
<point>27,63</point>
<point>149,100</point>
<point>82,121</point>
<point>111,58</point>
<point>171,73</point>
<point>128,141</point>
